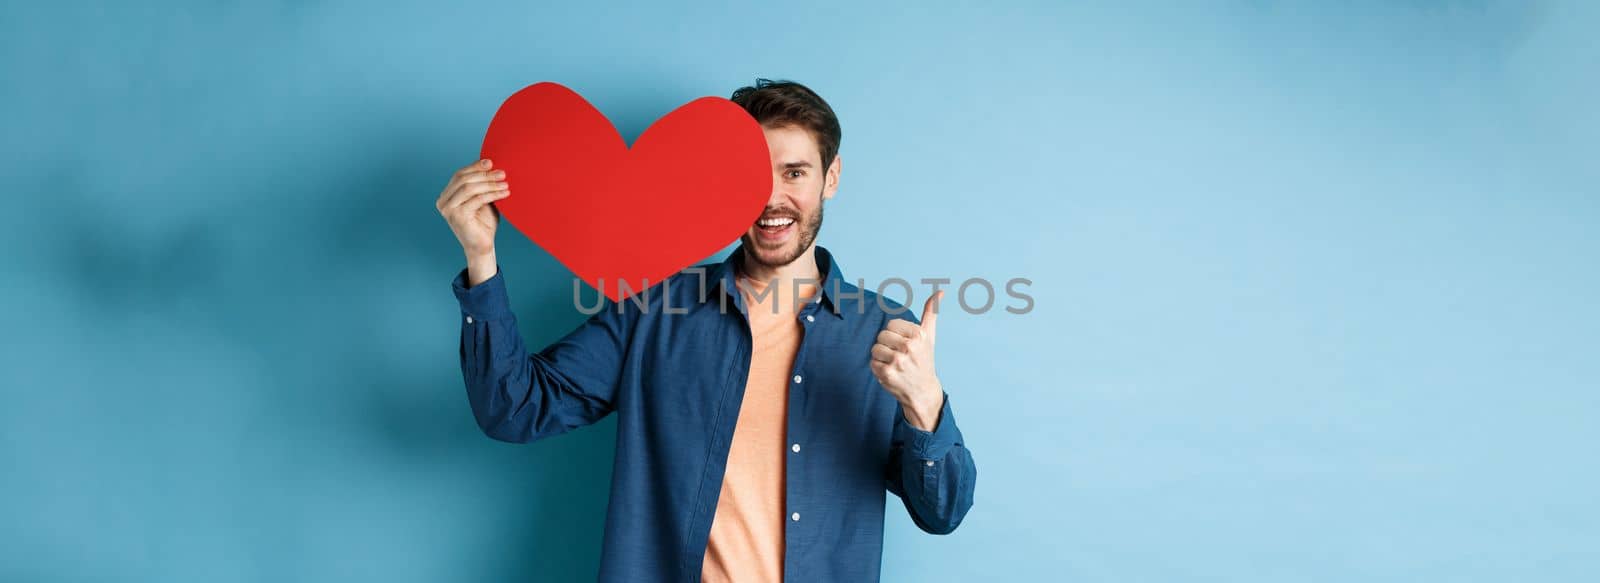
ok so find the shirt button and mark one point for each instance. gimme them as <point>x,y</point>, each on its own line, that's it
<point>469,319</point>
<point>809,318</point>
<point>796,448</point>
<point>930,463</point>
<point>797,378</point>
<point>795,517</point>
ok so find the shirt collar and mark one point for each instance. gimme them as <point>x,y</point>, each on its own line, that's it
<point>831,288</point>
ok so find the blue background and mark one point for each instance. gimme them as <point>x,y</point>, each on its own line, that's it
<point>1315,281</point>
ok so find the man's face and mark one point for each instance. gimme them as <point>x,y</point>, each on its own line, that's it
<point>789,225</point>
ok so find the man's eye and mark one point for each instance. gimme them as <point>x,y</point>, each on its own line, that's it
<point>796,173</point>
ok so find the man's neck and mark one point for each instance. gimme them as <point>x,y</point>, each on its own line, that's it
<point>803,268</point>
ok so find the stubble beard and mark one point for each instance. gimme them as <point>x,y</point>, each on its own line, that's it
<point>810,226</point>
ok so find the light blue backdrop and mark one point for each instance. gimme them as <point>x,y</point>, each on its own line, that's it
<point>1315,281</point>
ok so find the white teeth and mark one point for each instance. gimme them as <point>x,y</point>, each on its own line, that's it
<point>782,222</point>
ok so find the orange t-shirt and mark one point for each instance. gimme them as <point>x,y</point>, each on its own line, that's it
<point>746,543</point>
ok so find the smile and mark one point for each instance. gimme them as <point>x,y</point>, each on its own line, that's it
<point>774,230</point>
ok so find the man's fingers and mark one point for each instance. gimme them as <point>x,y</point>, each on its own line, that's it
<point>483,164</point>
<point>903,328</point>
<point>893,340</point>
<point>485,176</point>
<point>930,313</point>
<point>474,172</point>
<point>883,354</point>
<point>471,207</point>
<point>461,192</point>
<point>467,191</point>
<point>474,178</point>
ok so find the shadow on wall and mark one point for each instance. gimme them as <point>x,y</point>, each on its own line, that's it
<point>341,403</point>
<point>552,494</point>
<point>556,490</point>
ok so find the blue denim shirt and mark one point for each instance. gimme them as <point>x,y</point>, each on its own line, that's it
<point>676,381</point>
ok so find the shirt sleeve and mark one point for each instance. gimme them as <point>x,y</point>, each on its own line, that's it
<point>931,471</point>
<point>520,397</point>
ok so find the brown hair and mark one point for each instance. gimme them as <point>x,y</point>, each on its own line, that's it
<point>786,103</point>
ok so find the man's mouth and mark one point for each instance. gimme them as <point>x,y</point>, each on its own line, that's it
<point>774,229</point>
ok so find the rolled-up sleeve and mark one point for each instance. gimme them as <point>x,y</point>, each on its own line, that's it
<point>520,397</point>
<point>931,471</point>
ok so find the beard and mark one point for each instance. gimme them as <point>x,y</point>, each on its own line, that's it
<point>781,254</point>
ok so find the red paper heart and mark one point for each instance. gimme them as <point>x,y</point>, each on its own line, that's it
<point>614,216</point>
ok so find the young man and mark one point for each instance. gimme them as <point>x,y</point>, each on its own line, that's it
<point>757,432</point>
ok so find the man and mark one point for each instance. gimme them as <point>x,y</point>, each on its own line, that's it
<point>757,432</point>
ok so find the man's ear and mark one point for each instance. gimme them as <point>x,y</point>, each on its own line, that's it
<point>832,183</point>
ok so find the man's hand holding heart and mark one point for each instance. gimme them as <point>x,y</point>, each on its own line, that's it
<point>902,359</point>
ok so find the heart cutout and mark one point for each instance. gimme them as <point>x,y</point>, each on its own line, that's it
<point>624,218</point>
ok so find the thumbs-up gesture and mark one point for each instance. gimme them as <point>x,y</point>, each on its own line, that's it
<point>902,359</point>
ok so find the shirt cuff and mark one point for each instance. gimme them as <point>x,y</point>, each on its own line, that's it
<point>929,445</point>
<point>485,301</point>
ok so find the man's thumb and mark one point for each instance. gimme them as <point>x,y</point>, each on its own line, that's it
<point>930,313</point>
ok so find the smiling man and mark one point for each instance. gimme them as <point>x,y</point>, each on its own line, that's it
<point>765,405</point>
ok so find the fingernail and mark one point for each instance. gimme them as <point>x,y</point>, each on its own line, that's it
<point>499,173</point>
<point>486,163</point>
